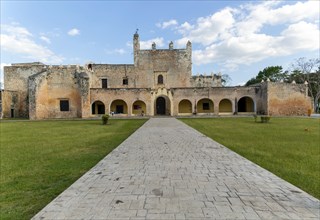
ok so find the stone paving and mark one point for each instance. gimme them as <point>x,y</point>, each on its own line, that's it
<point>167,170</point>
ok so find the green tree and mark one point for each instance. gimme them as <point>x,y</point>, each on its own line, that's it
<point>273,73</point>
<point>305,70</point>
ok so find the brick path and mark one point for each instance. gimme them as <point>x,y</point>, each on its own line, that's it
<point>167,170</point>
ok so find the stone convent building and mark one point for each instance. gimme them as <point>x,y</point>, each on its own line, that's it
<point>159,82</point>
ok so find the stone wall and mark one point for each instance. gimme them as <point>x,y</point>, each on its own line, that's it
<point>10,104</point>
<point>287,99</point>
<point>16,88</point>
<point>215,94</point>
<point>174,65</point>
<point>115,75</point>
<point>129,96</point>
<point>206,81</point>
<point>48,88</point>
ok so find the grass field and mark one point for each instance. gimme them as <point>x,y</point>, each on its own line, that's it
<point>288,147</point>
<point>39,159</point>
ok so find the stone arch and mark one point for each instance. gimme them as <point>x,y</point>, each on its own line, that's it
<point>139,108</point>
<point>245,104</point>
<point>119,106</point>
<point>162,106</point>
<point>98,108</point>
<point>225,106</point>
<point>205,105</point>
<point>185,106</point>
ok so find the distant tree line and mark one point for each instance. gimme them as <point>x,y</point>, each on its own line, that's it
<point>301,71</point>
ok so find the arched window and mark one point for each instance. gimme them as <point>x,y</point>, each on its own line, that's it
<point>160,79</point>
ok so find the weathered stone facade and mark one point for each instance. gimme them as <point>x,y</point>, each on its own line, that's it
<point>159,82</point>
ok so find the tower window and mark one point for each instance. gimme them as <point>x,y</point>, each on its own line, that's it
<point>104,83</point>
<point>64,105</point>
<point>160,79</point>
<point>125,81</point>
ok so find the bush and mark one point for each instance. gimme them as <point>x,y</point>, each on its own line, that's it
<point>105,119</point>
<point>265,119</point>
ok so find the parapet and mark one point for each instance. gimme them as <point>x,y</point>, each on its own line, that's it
<point>29,64</point>
<point>203,80</point>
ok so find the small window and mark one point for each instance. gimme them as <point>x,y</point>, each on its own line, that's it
<point>136,107</point>
<point>205,106</point>
<point>64,105</point>
<point>125,81</point>
<point>160,79</point>
<point>104,83</point>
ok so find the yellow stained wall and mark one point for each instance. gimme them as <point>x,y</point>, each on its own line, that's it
<point>249,105</point>
<point>48,102</point>
<point>185,106</point>
<point>142,108</point>
<point>200,104</point>
<point>119,102</point>
<point>225,106</point>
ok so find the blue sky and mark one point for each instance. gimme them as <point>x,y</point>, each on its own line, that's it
<point>237,38</point>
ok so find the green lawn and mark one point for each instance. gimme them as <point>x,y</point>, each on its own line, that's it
<point>39,159</point>
<point>288,147</point>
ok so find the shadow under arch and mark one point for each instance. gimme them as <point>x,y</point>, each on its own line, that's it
<point>98,108</point>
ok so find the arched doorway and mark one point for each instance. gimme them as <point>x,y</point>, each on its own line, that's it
<point>185,106</point>
<point>139,108</point>
<point>205,106</point>
<point>245,104</point>
<point>225,106</point>
<point>119,107</point>
<point>98,108</point>
<point>161,106</point>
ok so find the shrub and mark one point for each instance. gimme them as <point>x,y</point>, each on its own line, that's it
<point>265,119</point>
<point>105,119</point>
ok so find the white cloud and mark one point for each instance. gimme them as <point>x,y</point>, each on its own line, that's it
<point>245,35</point>
<point>15,30</point>
<point>185,27</point>
<point>73,32</point>
<point>293,13</point>
<point>208,29</point>
<point>120,51</point>
<point>166,24</point>
<point>18,40</point>
<point>300,36</point>
<point>1,74</point>
<point>148,44</point>
<point>263,14</point>
<point>45,39</point>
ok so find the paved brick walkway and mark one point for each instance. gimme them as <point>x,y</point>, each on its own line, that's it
<point>167,170</point>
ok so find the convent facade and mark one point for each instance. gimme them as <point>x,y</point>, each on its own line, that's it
<point>159,82</point>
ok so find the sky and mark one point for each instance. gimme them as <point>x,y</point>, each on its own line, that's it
<point>238,38</point>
